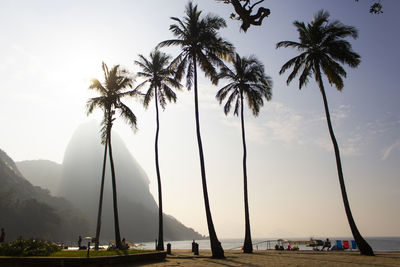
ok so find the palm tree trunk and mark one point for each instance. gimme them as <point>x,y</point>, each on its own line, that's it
<point>363,246</point>
<point>96,247</point>
<point>160,244</point>
<point>216,248</point>
<point>114,189</point>
<point>248,245</point>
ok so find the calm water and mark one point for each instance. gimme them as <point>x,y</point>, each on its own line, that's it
<point>377,243</point>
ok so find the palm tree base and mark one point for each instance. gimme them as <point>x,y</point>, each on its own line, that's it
<point>364,247</point>
<point>367,251</point>
<point>248,248</point>
<point>217,251</point>
<point>248,245</point>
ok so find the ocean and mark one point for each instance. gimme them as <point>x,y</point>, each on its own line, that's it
<point>378,244</point>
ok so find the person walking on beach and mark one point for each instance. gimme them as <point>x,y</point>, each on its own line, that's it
<point>3,235</point>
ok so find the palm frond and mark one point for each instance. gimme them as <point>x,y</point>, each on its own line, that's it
<point>254,99</point>
<point>127,114</point>
<point>179,29</point>
<point>237,106</point>
<point>172,81</point>
<point>232,97</point>
<point>223,92</point>
<point>297,62</point>
<point>143,63</point>
<point>96,84</point>
<point>148,96</point>
<point>333,71</point>
<point>207,67</point>
<point>92,103</point>
<point>306,73</point>
<point>140,85</point>
<point>168,92</point>
<point>179,64</point>
<point>337,30</point>
<point>225,73</point>
<point>290,44</point>
<point>341,51</point>
<point>172,42</point>
<point>161,99</point>
<point>214,22</point>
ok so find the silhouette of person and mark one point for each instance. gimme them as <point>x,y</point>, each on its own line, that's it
<point>79,241</point>
<point>124,244</point>
<point>3,235</point>
<point>327,245</point>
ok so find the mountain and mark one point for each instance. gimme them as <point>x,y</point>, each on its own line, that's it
<point>138,211</point>
<point>43,173</point>
<point>30,211</point>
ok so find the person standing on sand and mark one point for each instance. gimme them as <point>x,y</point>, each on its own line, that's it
<point>3,235</point>
<point>79,242</point>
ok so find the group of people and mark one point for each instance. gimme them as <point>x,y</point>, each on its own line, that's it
<point>123,243</point>
<point>326,244</point>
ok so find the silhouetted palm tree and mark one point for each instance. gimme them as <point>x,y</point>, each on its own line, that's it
<point>160,78</point>
<point>111,92</point>
<point>323,46</point>
<point>200,44</point>
<point>247,81</point>
<point>100,209</point>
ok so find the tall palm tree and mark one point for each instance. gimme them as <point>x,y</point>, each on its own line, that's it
<point>247,80</point>
<point>160,78</point>
<point>201,45</point>
<point>100,209</point>
<point>323,46</point>
<point>111,92</point>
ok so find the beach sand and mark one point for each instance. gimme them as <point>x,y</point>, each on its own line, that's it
<point>280,258</point>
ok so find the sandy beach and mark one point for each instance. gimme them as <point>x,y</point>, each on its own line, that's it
<point>279,258</point>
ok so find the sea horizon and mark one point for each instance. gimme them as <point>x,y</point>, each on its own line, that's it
<point>378,243</point>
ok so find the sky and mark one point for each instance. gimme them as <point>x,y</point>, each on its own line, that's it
<point>50,50</point>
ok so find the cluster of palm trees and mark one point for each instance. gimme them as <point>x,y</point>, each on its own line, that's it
<point>322,45</point>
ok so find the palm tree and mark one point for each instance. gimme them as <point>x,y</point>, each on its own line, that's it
<point>99,212</point>
<point>111,92</point>
<point>201,45</point>
<point>247,79</point>
<point>323,46</point>
<point>160,77</point>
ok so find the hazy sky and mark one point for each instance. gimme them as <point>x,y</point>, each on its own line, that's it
<point>50,50</point>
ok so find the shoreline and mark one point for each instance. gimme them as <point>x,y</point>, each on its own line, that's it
<point>378,244</point>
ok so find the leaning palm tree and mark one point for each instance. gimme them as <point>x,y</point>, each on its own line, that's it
<point>111,92</point>
<point>201,45</point>
<point>247,81</point>
<point>323,47</point>
<point>160,78</point>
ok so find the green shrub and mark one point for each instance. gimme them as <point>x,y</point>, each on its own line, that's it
<point>29,247</point>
